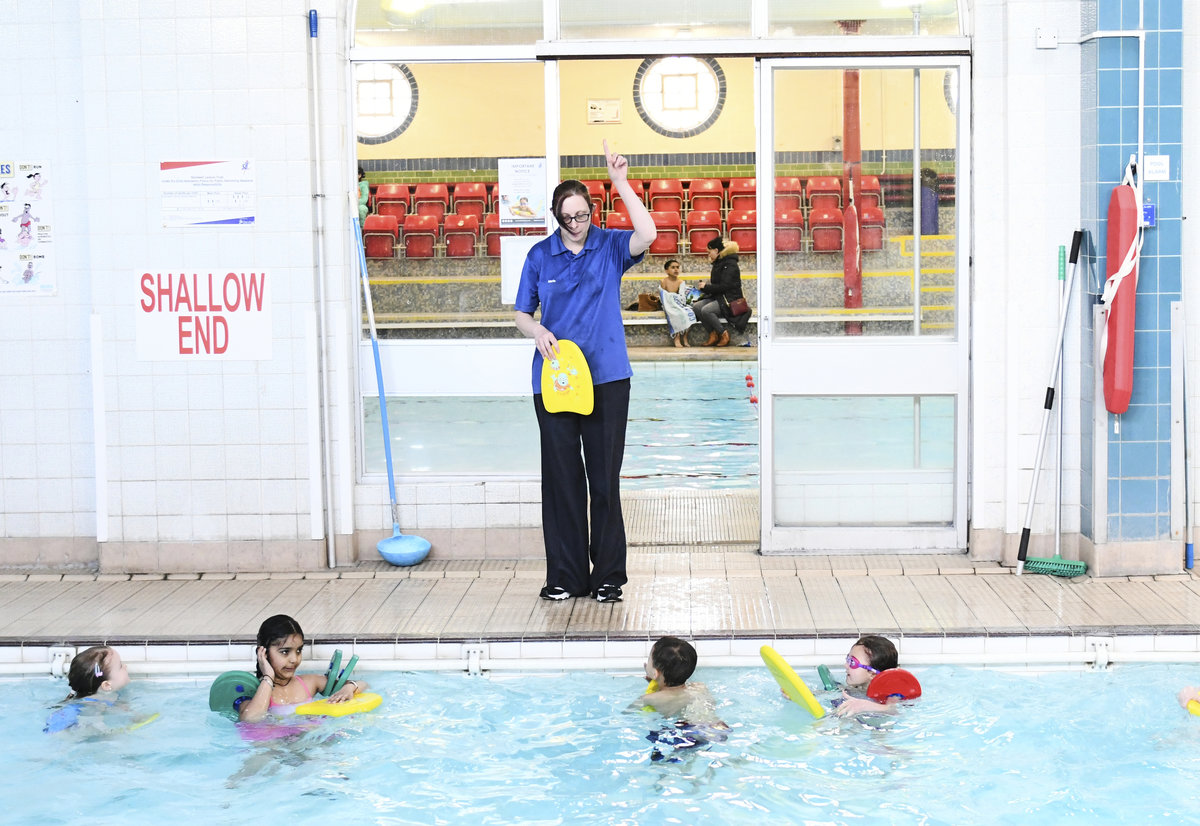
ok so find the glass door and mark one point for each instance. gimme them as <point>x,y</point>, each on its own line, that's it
<point>863,293</point>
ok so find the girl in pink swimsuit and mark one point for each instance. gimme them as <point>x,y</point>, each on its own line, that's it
<point>280,689</point>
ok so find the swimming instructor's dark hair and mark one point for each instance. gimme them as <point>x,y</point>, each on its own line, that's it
<point>274,629</point>
<point>675,660</point>
<point>881,650</point>
<point>564,191</point>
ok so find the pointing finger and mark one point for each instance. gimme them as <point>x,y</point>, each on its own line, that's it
<point>607,155</point>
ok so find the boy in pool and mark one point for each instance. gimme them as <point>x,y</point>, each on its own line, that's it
<point>671,663</point>
<point>867,657</point>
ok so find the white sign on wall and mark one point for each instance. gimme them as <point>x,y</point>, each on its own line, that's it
<point>26,228</point>
<point>522,183</point>
<point>207,193</point>
<point>203,315</point>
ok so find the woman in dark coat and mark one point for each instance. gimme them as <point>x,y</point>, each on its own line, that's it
<point>723,286</point>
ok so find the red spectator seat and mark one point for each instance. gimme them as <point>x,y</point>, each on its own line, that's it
<point>870,228</point>
<point>706,194</point>
<point>872,193</point>
<point>669,230</point>
<point>742,195</point>
<point>380,233</point>
<point>665,195</point>
<point>826,228</point>
<point>789,230</point>
<point>617,220</point>
<point>598,192</point>
<point>639,190</point>
<point>393,199</point>
<point>372,190</point>
<point>788,193</point>
<point>431,199</point>
<point>420,235</point>
<point>470,199</point>
<point>703,225</point>
<point>492,231</point>
<point>824,193</point>
<point>742,229</point>
<point>461,233</point>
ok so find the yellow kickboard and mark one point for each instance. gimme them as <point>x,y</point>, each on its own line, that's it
<point>567,381</point>
<point>359,702</point>
<point>790,682</point>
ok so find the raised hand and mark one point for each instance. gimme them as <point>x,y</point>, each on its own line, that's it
<point>618,165</point>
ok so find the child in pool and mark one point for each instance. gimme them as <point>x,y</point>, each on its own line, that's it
<point>867,657</point>
<point>671,663</point>
<point>280,688</point>
<point>95,675</point>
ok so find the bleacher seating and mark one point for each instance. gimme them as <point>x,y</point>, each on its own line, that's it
<point>393,199</point>
<point>492,232</point>
<point>870,228</point>
<point>665,195</point>
<point>789,194</point>
<point>669,229</point>
<point>461,233</point>
<point>420,235</point>
<point>871,194</point>
<point>742,196</point>
<point>431,199</point>
<point>743,230</point>
<point>618,220</point>
<point>825,225</point>
<point>380,233</point>
<point>470,199</point>
<point>703,225</point>
<point>706,194</point>
<point>789,229</point>
<point>598,192</point>
<point>824,193</point>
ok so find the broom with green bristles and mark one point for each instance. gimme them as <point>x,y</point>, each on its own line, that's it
<point>1056,566</point>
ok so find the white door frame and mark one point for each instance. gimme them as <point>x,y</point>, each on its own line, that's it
<point>894,365</point>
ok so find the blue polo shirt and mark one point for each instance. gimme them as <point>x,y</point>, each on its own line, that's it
<point>580,297</point>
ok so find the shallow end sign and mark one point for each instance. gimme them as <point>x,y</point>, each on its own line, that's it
<point>183,316</point>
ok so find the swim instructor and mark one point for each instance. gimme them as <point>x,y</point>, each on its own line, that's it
<point>574,275</point>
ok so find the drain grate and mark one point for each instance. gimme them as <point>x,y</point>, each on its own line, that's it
<point>691,517</point>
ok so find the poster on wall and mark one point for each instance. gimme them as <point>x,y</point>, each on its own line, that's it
<point>202,315</point>
<point>26,228</point>
<point>522,183</point>
<point>207,193</point>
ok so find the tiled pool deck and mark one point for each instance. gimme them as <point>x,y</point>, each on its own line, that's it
<point>730,601</point>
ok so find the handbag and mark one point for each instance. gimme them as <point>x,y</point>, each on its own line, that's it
<point>739,306</point>
<point>648,303</point>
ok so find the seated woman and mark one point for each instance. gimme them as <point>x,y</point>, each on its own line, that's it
<point>672,291</point>
<point>723,286</point>
<point>364,194</point>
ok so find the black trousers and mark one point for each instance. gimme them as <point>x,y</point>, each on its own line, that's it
<point>581,456</point>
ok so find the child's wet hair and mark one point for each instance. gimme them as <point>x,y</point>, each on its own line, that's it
<point>88,670</point>
<point>675,660</point>
<point>276,629</point>
<point>881,651</point>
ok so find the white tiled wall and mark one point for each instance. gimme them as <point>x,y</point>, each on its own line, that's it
<point>1026,182</point>
<point>195,451</point>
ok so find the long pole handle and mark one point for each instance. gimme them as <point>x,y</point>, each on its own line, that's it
<point>383,414</point>
<point>1047,405</point>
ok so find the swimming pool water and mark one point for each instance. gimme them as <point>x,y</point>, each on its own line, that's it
<point>691,424</point>
<point>981,746</point>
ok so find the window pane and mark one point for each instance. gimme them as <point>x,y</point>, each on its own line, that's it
<point>448,22</point>
<point>868,461</point>
<point>846,137</point>
<point>809,18</point>
<point>661,20</point>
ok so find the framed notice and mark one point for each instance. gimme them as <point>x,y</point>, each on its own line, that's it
<point>522,183</point>
<point>26,228</point>
<point>207,193</point>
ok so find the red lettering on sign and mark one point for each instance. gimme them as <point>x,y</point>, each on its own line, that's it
<point>147,304</point>
<point>183,298</point>
<point>185,335</point>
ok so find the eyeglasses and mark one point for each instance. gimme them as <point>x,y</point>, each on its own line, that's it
<point>577,218</point>
<point>852,662</point>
